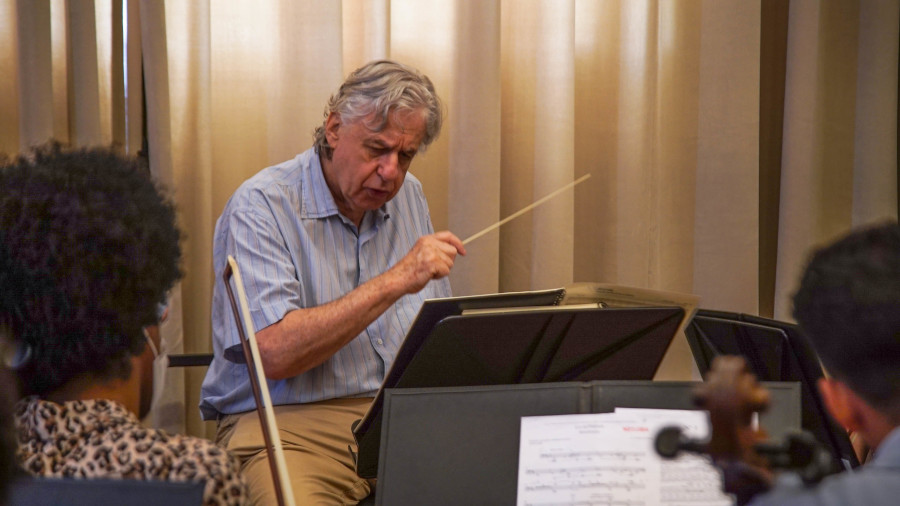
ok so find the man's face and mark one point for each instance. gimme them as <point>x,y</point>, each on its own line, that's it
<point>367,168</point>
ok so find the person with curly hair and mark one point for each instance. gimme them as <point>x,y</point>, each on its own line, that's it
<point>88,250</point>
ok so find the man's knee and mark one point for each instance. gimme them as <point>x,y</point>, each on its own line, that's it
<point>258,474</point>
<point>315,479</point>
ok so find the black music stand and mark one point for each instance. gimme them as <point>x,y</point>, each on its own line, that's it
<point>460,445</point>
<point>774,351</point>
<point>530,345</point>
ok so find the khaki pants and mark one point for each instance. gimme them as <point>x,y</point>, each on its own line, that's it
<point>315,438</point>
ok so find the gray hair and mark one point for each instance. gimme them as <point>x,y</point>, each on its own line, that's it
<point>382,87</point>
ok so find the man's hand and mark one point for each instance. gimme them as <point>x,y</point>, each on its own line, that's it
<point>432,257</point>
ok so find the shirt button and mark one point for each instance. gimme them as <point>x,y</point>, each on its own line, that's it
<point>379,342</point>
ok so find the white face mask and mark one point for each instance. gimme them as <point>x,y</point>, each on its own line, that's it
<point>160,366</point>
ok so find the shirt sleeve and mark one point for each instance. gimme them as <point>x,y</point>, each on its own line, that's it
<point>271,281</point>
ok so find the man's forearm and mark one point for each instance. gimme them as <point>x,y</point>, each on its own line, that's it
<point>305,338</point>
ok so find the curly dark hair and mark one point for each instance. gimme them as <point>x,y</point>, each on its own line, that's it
<point>88,248</point>
<point>848,304</point>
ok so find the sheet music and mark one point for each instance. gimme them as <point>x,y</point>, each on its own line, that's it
<point>608,459</point>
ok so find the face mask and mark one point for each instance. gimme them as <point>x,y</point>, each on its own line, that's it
<point>160,366</point>
<point>14,354</point>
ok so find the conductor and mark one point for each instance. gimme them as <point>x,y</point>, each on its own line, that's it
<point>338,253</point>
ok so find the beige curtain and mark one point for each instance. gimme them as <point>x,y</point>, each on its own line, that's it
<point>65,77</point>
<point>839,167</point>
<point>724,138</point>
<point>62,71</point>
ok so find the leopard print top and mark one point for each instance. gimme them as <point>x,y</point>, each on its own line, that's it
<point>102,439</point>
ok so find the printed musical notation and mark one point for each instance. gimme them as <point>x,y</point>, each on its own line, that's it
<point>588,470</point>
<point>608,459</point>
<point>594,454</point>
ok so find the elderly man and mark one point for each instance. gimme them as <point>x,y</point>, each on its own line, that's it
<point>337,253</point>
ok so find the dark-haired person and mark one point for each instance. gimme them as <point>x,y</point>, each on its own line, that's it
<point>848,304</point>
<point>88,250</point>
<point>338,253</point>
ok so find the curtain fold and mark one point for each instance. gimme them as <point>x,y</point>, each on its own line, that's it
<point>724,138</point>
<point>178,134</point>
<point>88,51</point>
<point>35,67</point>
<point>726,215</point>
<point>841,75</point>
<point>365,32</point>
<point>537,147</point>
<point>473,140</point>
<point>9,87</point>
<point>875,122</point>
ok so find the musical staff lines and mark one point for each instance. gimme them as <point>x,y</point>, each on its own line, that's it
<point>608,459</point>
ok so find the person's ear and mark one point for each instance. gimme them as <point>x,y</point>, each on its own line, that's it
<point>332,128</point>
<point>841,402</point>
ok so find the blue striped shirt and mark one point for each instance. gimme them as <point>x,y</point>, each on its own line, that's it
<point>295,250</point>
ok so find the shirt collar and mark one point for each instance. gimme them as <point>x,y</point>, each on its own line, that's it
<point>317,199</point>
